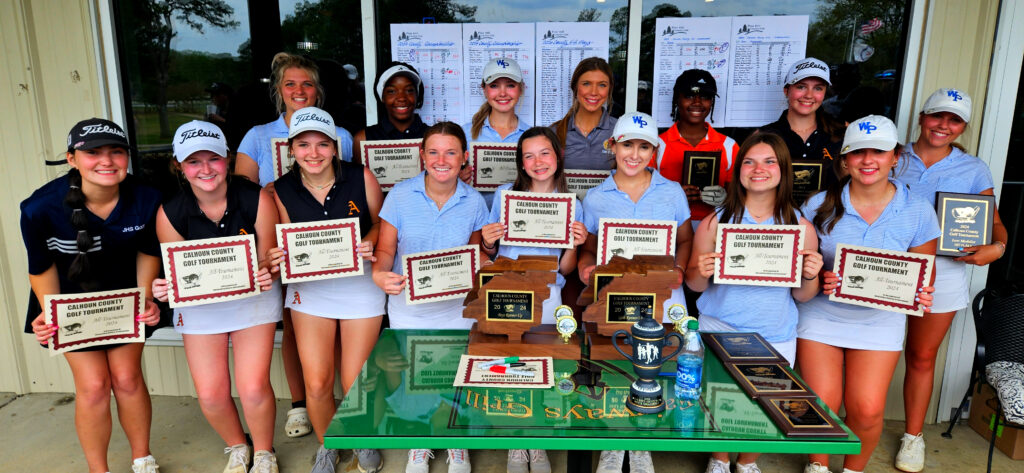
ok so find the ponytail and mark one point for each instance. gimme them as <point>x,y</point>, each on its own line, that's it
<point>562,126</point>
<point>478,119</point>
<point>80,271</point>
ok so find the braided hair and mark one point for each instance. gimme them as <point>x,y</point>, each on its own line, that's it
<point>81,271</point>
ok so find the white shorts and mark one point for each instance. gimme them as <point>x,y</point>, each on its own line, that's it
<point>787,348</point>
<point>355,297</point>
<point>230,316</point>
<point>951,291</point>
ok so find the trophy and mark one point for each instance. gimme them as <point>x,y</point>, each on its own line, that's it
<point>648,339</point>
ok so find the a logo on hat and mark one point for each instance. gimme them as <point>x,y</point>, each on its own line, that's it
<point>311,116</point>
<point>954,94</point>
<point>701,81</point>
<point>100,128</point>
<point>637,119</point>
<point>197,133</point>
<point>867,127</point>
<point>503,63</point>
<point>806,64</point>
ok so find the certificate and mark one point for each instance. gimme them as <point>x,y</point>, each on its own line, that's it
<point>965,220</point>
<point>282,159</point>
<point>808,178</point>
<point>210,270</point>
<point>391,161</point>
<point>320,250</point>
<point>440,275</point>
<point>759,255</point>
<point>535,219</point>
<point>493,164</point>
<point>582,180</point>
<point>94,318</point>
<point>433,363</point>
<point>883,279</point>
<point>700,168</point>
<point>628,237</point>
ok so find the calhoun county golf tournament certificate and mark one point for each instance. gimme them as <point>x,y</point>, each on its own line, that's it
<point>582,180</point>
<point>628,237</point>
<point>210,270</point>
<point>440,275</point>
<point>759,255</point>
<point>391,161</point>
<point>493,164</point>
<point>883,279</point>
<point>535,219</point>
<point>325,249</point>
<point>94,318</point>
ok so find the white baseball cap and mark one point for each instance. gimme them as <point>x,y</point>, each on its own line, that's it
<point>635,126</point>
<point>197,136</point>
<point>953,101</point>
<point>873,132</point>
<point>350,71</point>
<point>808,67</point>
<point>312,119</point>
<point>393,71</point>
<point>502,67</point>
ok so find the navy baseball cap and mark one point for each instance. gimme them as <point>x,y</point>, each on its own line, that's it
<point>95,132</point>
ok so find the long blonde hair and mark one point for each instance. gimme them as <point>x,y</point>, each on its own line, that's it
<point>485,110</point>
<point>284,61</point>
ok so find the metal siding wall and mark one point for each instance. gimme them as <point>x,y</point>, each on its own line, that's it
<point>167,374</point>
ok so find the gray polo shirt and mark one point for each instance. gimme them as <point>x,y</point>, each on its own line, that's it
<point>588,152</point>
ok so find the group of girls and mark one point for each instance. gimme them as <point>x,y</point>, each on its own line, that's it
<point>865,205</point>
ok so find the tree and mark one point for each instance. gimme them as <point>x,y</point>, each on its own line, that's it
<point>588,15</point>
<point>839,21</point>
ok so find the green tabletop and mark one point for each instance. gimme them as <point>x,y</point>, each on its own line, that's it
<point>405,399</point>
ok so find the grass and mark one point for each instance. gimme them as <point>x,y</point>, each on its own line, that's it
<point>147,126</point>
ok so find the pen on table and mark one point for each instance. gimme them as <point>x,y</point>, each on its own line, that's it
<point>499,361</point>
<point>505,370</point>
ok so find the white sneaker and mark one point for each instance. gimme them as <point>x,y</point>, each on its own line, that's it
<point>419,460</point>
<point>264,461</point>
<point>238,458</point>
<point>611,461</point>
<point>816,468</point>
<point>458,460</point>
<point>146,464</point>
<point>539,462</point>
<point>640,462</point>
<point>717,466</point>
<point>747,468</point>
<point>518,461</point>
<point>298,423</point>
<point>910,458</point>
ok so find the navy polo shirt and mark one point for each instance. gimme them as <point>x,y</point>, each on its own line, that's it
<point>385,130</point>
<point>50,239</point>
<point>346,199</point>
<point>820,146</point>
<point>239,216</point>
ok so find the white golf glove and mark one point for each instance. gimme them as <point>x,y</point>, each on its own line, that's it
<point>713,195</point>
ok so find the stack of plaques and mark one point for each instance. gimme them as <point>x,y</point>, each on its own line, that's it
<point>765,376</point>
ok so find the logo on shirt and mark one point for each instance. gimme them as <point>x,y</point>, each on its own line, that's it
<point>353,209</point>
<point>954,94</point>
<point>131,228</point>
<point>867,127</point>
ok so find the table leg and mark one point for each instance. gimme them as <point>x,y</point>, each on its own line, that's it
<point>578,461</point>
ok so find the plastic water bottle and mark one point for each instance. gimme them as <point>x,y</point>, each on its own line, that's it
<point>690,364</point>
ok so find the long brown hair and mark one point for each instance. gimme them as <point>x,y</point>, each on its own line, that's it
<point>284,61</point>
<point>589,64</point>
<point>523,180</point>
<point>485,110</point>
<point>832,208</point>
<point>785,211</point>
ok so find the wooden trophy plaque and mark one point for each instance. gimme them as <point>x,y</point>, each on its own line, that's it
<point>507,304</point>
<point>618,295</point>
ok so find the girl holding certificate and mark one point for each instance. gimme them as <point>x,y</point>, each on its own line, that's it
<point>216,205</point>
<point>861,344</point>
<point>760,193</point>
<point>92,230</point>
<point>322,187</point>
<point>637,192</point>
<point>432,211</point>
<point>936,163</point>
<point>585,128</point>
<point>399,92</point>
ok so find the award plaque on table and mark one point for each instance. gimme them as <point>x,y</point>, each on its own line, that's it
<point>93,319</point>
<point>210,270</point>
<point>700,168</point>
<point>391,161</point>
<point>767,379</point>
<point>535,219</point>
<point>324,249</point>
<point>800,417</point>
<point>582,180</point>
<point>808,177</point>
<point>493,164</point>
<point>440,275</point>
<point>883,279</point>
<point>735,347</point>
<point>965,220</point>
<point>759,255</point>
<point>282,159</point>
<point>628,237</point>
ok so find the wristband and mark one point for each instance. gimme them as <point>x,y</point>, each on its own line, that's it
<point>487,247</point>
<point>810,278</point>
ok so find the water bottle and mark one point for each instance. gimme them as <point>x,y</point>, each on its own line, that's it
<point>690,364</point>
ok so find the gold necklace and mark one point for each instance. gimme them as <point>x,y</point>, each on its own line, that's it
<point>310,184</point>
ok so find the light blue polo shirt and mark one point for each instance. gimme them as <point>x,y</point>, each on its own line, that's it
<point>422,227</point>
<point>663,200</point>
<point>256,145</point>
<point>769,311</point>
<point>907,221</point>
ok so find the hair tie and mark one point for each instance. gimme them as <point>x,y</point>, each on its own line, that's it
<point>74,186</point>
<point>80,252</point>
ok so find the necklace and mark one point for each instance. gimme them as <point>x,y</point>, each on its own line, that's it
<point>310,184</point>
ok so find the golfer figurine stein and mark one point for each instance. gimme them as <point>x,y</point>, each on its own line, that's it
<point>648,339</point>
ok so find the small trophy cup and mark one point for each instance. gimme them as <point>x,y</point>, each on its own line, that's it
<point>647,338</point>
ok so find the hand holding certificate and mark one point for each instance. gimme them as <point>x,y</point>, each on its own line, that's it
<point>883,279</point>
<point>759,255</point>
<point>94,319</point>
<point>320,250</point>
<point>533,219</point>
<point>628,237</point>
<point>210,270</point>
<point>440,275</point>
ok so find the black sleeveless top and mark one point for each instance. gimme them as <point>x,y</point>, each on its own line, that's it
<point>346,199</point>
<point>239,216</point>
<point>385,130</point>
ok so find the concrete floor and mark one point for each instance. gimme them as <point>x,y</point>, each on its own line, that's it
<point>38,435</point>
